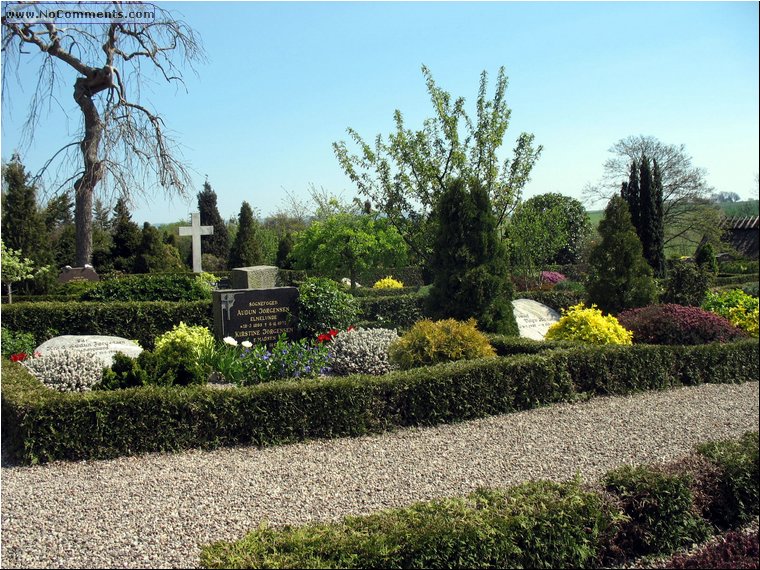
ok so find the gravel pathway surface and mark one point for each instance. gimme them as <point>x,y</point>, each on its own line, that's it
<point>154,511</point>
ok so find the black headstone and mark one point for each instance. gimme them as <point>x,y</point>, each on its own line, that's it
<point>256,315</point>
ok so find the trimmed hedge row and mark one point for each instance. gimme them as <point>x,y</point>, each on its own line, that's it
<point>538,524</point>
<point>41,425</point>
<point>391,312</point>
<point>138,320</point>
<point>735,279</point>
<point>557,300</point>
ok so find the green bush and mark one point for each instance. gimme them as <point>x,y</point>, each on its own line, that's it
<point>534,525</point>
<point>661,510</point>
<point>686,285</point>
<point>323,305</point>
<point>737,462</point>
<point>448,340</point>
<point>393,311</point>
<point>557,299</point>
<point>141,321</point>
<point>745,267</point>
<point>16,342</point>
<point>736,279</point>
<point>736,306</point>
<point>151,287</point>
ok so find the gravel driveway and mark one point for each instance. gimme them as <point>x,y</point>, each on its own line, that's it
<point>153,511</point>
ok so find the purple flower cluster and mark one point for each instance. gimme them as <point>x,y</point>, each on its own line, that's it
<point>552,277</point>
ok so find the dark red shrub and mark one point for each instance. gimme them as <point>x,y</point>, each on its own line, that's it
<point>675,324</point>
<point>734,550</point>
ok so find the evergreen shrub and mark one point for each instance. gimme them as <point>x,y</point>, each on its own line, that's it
<point>432,342</point>
<point>323,305</point>
<point>388,283</point>
<point>392,311</point>
<point>588,325</point>
<point>737,306</point>
<point>686,285</point>
<point>558,298</point>
<point>16,342</point>
<point>152,287</point>
<point>675,324</point>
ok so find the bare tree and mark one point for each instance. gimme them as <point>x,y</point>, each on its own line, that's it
<point>688,212</point>
<point>121,143</point>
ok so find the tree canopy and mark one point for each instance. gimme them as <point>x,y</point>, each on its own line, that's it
<point>404,174</point>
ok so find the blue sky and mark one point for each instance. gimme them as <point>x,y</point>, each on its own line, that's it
<point>285,79</point>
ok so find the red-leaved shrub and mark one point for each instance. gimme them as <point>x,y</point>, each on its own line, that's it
<point>676,324</point>
<point>734,550</point>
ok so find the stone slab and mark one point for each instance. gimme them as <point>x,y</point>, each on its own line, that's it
<point>256,277</point>
<point>256,315</point>
<point>103,347</point>
<point>533,318</point>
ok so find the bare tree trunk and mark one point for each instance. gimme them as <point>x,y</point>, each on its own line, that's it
<point>84,89</point>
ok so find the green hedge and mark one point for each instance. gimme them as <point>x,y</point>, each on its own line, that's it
<point>370,292</point>
<point>739,266</point>
<point>393,311</point>
<point>557,300</point>
<point>52,425</point>
<point>735,279</point>
<point>538,524</point>
<point>140,320</point>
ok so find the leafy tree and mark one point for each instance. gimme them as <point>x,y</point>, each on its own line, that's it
<point>687,212</point>
<point>247,248</point>
<point>547,229</point>
<point>405,175</point>
<point>705,258</point>
<point>349,243</point>
<point>23,222</point>
<point>469,264</point>
<point>619,276</point>
<point>126,238</point>
<point>14,268</point>
<point>725,197</point>
<point>218,243</point>
<point>154,256</point>
<point>122,142</point>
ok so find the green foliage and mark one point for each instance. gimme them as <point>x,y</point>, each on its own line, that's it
<point>13,342</point>
<point>705,258</point>
<point>349,244</point>
<point>556,298</point>
<point>388,283</point>
<point>391,311</point>
<point>323,305</point>
<point>154,256</point>
<point>744,267</point>
<point>40,425</point>
<point>138,320</point>
<point>127,372</point>
<point>737,306</point>
<point>469,264</point>
<point>661,510</point>
<point>126,238</point>
<point>285,359</point>
<point>405,176</point>
<point>588,325</point>
<point>198,338</point>
<point>247,247</point>
<point>448,340</point>
<point>619,276</point>
<point>737,462</point>
<point>686,285</point>
<point>218,243</point>
<point>16,268</point>
<point>161,287</point>
<point>547,229</point>
<point>534,525</point>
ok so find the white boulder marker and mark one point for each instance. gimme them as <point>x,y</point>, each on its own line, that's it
<point>196,230</point>
<point>533,318</point>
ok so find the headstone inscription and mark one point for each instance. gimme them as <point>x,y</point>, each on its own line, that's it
<point>196,230</point>
<point>102,347</point>
<point>256,315</point>
<point>533,318</point>
<point>86,273</point>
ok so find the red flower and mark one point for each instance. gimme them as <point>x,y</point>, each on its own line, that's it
<point>18,357</point>
<point>351,328</point>
<point>333,333</point>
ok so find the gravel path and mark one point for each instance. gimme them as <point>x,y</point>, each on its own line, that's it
<point>154,511</point>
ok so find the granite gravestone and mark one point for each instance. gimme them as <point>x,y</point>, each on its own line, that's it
<point>533,318</point>
<point>256,315</point>
<point>86,273</point>
<point>102,347</point>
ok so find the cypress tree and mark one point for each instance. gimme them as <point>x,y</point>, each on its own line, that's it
<point>645,229</point>
<point>153,255</point>
<point>59,221</point>
<point>631,194</point>
<point>126,238</point>
<point>246,249</point>
<point>218,243</point>
<point>23,222</point>
<point>619,276</point>
<point>469,263</point>
<point>658,226</point>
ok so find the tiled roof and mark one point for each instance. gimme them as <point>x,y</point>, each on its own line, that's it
<point>741,223</point>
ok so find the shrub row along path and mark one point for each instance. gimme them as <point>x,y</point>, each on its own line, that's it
<point>154,511</point>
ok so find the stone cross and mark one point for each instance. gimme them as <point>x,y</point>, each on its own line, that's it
<point>196,230</point>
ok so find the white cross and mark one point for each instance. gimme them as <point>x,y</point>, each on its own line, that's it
<point>196,230</point>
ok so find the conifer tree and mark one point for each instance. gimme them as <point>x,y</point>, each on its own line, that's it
<point>22,220</point>
<point>658,227</point>
<point>126,238</point>
<point>218,243</point>
<point>631,194</point>
<point>59,221</point>
<point>154,255</point>
<point>469,262</point>
<point>246,249</point>
<point>619,276</point>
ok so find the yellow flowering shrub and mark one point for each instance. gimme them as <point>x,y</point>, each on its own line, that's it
<point>738,307</point>
<point>588,324</point>
<point>388,283</point>
<point>199,338</point>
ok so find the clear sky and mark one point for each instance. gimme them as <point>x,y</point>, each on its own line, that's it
<point>285,79</point>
